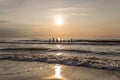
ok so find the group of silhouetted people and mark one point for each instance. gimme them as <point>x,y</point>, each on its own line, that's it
<point>59,40</point>
<point>54,40</point>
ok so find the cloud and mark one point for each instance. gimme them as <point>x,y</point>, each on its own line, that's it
<point>72,9</point>
<point>8,4</point>
<point>74,12</point>
<point>4,21</point>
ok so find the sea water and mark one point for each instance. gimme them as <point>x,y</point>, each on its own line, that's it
<point>94,55</point>
<point>29,59</point>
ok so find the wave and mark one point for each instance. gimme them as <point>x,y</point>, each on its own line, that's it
<point>28,49</point>
<point>92,62</point>
<point>24,49</point>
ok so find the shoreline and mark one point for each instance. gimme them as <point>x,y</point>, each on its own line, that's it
<point>15,70</point>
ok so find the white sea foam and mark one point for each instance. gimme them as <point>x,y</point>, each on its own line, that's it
<point>66,60</point>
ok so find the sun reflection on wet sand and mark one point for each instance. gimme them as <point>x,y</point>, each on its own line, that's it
<point>57,71</point>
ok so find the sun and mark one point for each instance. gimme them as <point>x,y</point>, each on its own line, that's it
<point>59,20</point>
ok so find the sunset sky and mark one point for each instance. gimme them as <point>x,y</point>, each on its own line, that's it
<point>79,18</point>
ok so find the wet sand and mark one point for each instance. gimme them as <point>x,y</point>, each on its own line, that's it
<point>19,70</point>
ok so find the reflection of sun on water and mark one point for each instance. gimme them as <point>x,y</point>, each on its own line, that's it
<point>59,47</point>
<point>57,72</point>
<point>58,54</point>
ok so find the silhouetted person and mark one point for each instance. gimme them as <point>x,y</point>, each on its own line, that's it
<point>49,40</point>
<point>71,40</point>
<point>56,40</point>
<point>53,40</point>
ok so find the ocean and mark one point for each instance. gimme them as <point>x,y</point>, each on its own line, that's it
<point>95,55</point>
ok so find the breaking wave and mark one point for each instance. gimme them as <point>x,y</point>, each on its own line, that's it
<point>92,62</point>
<point>58,50</point>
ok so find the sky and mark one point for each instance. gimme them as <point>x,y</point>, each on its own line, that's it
<point>81,18</point>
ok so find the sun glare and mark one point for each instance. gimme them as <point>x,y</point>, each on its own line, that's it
<point>59,20</point>
<point>58,39</point>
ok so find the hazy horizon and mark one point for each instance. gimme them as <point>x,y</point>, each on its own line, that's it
<point>81,18</point>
